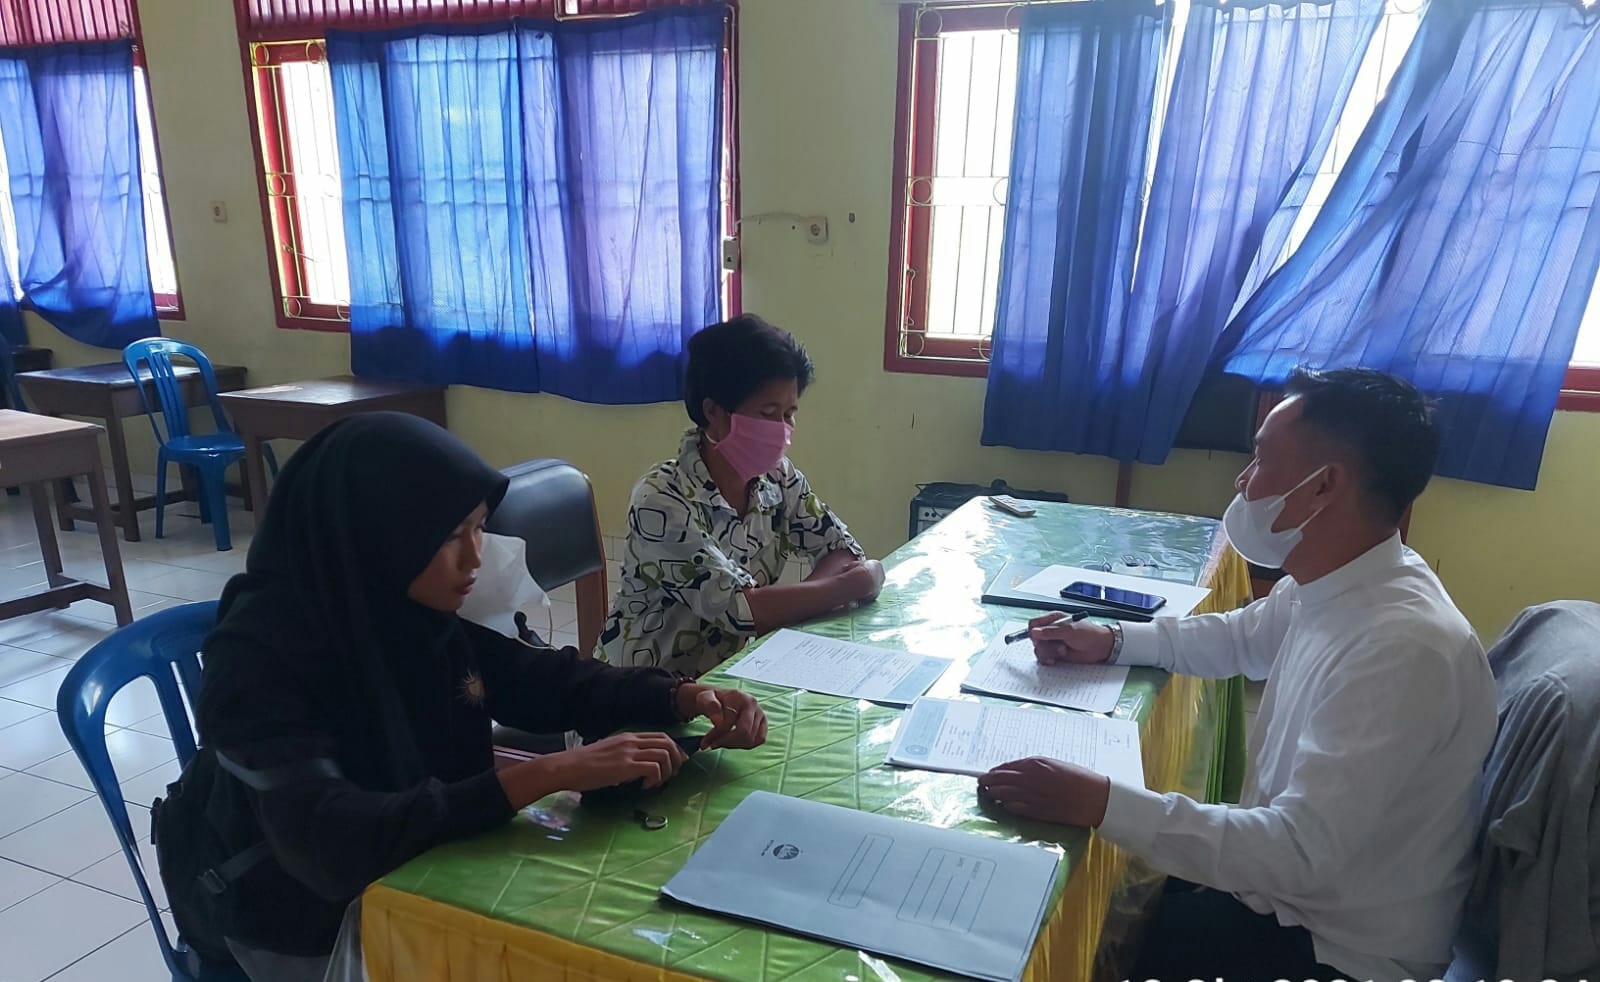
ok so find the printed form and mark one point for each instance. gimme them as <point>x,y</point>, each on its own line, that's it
<point>975,737</point>
<point>797,660</point>
<point>938,897</point>
<point>1011,670</point>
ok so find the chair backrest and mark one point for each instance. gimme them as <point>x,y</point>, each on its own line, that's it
<point>550,506</point>
<point>1540,785</point>
<point>157,354</point>
<point>163,648</point>
<point>8,378</point>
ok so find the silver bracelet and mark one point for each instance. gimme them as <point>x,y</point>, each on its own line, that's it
<point>1116,642</point>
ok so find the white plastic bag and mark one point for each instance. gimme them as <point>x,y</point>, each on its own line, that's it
<point>504,589</point>
<point>346,964</point>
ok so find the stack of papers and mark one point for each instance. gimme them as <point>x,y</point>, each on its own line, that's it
<point>938,897</point>
<point>840,668</point>
<point>1011,670</point>
<point>975,737</point>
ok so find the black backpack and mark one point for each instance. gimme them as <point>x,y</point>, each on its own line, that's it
<point>197,864</point>
<point>212,851</point>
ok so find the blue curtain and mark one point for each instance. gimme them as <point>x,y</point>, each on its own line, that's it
<point>533,207</point>
<point>1086,82</point>
<point>1257,93</point>
<point>1460,244</point>
<point>72,151</point>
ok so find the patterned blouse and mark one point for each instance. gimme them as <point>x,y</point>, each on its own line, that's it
<point>690,558</point>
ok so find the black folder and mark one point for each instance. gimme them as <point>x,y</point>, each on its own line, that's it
<point>1002,590</point>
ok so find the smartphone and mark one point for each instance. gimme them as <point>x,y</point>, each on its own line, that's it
<point>1129,600</point>
<point>629,791</point>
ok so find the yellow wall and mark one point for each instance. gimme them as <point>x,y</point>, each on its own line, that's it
<point>817,100</point>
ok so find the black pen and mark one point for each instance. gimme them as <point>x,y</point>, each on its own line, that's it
<point>1018,636</point>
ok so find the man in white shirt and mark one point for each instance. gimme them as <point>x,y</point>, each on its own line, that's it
<point>1351,852</point>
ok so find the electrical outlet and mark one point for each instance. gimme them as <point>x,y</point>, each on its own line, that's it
<point>816,229</point>
<point>219,211</point>
<point>730,253</point>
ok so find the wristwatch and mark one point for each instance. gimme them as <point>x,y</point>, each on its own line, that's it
<point>1116,642</point>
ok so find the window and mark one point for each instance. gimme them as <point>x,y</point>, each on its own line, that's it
<point>953,142</point>
<point>958,70</point>
<point>157,227</point>
<point>300,176</point>
<point>59,22</point>
<point>292,118</point>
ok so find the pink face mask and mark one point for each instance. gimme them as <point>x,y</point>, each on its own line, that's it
<point>754,445</point>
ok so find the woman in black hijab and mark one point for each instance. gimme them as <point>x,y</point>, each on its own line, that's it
<point>346,713</point>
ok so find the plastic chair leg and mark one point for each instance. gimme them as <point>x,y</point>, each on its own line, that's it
<point>161,492</point>
<point>197,476</point>
<point>214,487</point>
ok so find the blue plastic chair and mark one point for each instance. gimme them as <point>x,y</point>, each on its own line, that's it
<point>163,648</point>
<point>210,454</point>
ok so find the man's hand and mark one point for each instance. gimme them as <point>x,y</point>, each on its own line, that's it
<point>737,721</point>
<point>1048,790</point>
<point>1060,641</point>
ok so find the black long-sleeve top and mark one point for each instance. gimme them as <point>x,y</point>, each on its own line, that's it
<point>330,836</point>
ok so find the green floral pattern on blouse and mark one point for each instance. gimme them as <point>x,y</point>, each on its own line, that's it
<point>690,557</point>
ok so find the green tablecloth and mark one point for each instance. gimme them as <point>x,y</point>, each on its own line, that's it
<point>573,890</point>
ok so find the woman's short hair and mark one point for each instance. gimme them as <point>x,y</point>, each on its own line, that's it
<point>731,361</point>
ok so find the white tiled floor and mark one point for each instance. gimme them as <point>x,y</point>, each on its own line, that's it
<point>69,909</point>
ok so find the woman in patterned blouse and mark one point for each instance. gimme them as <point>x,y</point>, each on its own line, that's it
<point>710,531</point>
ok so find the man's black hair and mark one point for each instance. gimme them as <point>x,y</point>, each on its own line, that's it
<point>1384,420</point>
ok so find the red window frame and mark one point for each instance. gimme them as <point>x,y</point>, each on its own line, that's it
<point>911,227</point>
<point>1580,391</point>
<point>282,41</point>
<point>286,261</point>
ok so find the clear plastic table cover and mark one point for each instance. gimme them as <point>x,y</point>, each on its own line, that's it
<point>572,892</point>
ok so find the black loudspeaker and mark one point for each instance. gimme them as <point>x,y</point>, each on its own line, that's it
<point>934,501</point>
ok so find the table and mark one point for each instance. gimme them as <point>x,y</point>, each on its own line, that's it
<point>565,892</point>
<point>297,410</point>
<point>109,393</point>
<point>36,451</point>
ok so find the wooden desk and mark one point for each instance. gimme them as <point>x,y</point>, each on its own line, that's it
<point>108,393</point>
<point>297,410</point>
<point>36,451</point>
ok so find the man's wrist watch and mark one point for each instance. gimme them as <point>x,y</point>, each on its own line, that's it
<point>1116,642</point>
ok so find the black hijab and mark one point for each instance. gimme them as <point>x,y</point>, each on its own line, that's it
<point>356,514</point>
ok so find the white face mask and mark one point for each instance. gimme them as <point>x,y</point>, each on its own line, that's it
<point>1249,526</point>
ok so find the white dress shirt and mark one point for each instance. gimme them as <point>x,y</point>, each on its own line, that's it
<point>1359,809</point>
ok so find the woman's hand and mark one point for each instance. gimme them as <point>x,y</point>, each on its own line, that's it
<point>655,757</point>
<point>737,720</point>
<point>866,579</point>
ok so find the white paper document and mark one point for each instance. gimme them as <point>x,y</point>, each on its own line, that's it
<point>946,899</point>
<point>1181,598</point>
<point>1011,670</point>
<point>975,737</point>
<point>840,668</point>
